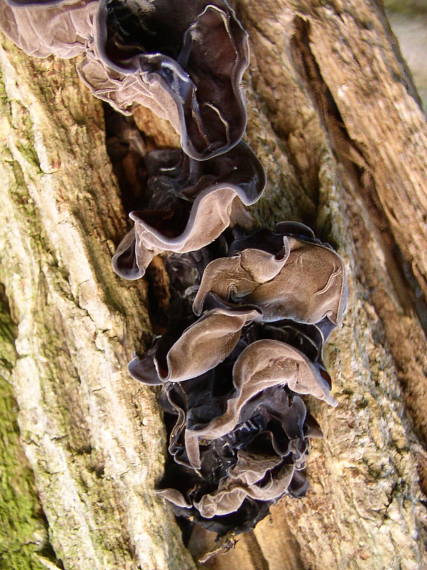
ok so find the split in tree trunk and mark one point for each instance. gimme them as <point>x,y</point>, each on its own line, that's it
<point>336,122</point>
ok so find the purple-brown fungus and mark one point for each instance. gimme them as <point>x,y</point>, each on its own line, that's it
<point>183,60</point>
<point>242,353</point>
<point>298,278</point>
<point>233,380</point>
<point>195,52</point>
<point>202,346</point>
<point>190,204</point>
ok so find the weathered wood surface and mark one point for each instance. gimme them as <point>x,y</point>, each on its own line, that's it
<point>93,437</point>
<point>336,122</point>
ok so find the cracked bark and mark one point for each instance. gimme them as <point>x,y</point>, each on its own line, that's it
<point>336,122</point>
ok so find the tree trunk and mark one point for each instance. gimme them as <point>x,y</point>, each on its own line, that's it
<point>337,124</point>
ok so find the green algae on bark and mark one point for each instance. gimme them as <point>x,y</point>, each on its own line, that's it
<point>23,533</point>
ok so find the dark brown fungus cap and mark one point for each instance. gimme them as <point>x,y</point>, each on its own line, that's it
<point>238,432</point>
<point>241,483</point>
<point>200,400</point>
<point>184,60</point>
<point>46,28</point>
<point>242,520</point>
<point>194,51</point>
<point>201,346</point>
<point>243,466</point>
<point>191,204</point>
<point>304,281</point>
<point>263,364</point>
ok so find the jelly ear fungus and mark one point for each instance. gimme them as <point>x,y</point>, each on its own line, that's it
<point>242,355</point>
<point>196,52</point>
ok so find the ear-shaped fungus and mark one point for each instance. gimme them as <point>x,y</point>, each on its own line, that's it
<point>43,28</point>
<point>263,364</point>
<point>184,60</point>
<point>201,346</point>
<point>231,384</point>
<point>193,51</point>
<point>302,280</point>
<point>244,481</point>
<point>239,430</point>
<point>256,463</point>
<point>191,204</point>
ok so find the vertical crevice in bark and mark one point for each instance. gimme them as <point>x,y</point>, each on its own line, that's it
<point>127,143</point>
<point>64,216</point>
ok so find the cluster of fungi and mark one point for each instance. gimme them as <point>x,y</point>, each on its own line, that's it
<point>252,308</point>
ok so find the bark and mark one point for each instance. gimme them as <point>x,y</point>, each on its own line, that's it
<point>23,533</point>
<point>336,122</point>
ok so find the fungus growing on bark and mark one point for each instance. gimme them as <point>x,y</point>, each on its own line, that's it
<point>262,364</point>
<point>231,382</point>
<point>200,347</point>
<point>239,430</point>
<point>184,60</point>
<point>245,470</point>
<point>195,52</point>
<point>191,203</point>
<point>301,279</point>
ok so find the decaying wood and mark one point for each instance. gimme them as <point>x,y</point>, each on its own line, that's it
<point>335,120</point>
